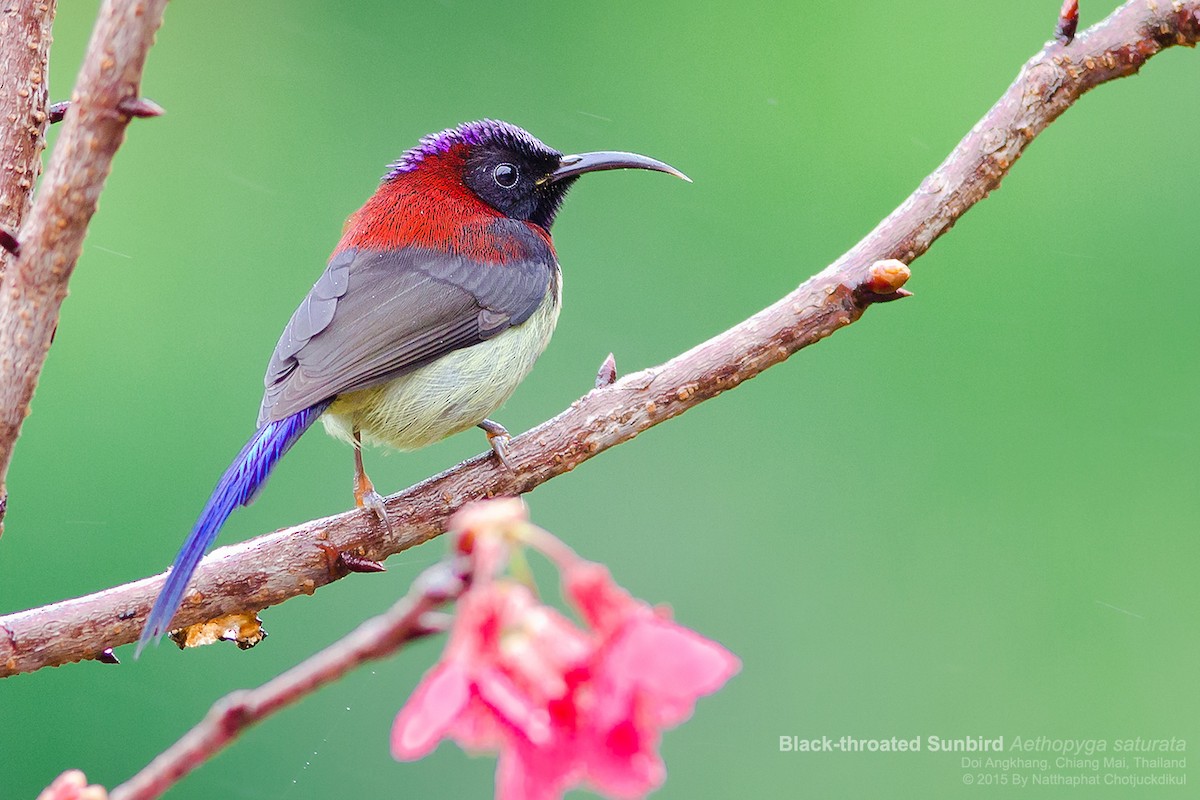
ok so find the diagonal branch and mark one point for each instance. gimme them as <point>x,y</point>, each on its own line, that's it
<point>412,617</point>
<point>52,238</point>
<point>272,568</point>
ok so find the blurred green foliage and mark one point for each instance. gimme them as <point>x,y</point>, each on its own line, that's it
<point>974,513</point>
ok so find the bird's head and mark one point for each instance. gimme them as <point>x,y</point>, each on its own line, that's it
<point>509,169</point>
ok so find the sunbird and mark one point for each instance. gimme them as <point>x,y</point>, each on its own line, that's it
<point>440,296</point>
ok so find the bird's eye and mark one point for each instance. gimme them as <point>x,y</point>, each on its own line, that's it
<point>505,175</point>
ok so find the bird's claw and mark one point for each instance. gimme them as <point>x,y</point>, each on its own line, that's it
<point>372,501</point>
<point>365,495</point>
<point>498,438</point>
<point>499,444</point>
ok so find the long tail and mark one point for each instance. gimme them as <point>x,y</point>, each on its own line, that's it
<point>238,486</point>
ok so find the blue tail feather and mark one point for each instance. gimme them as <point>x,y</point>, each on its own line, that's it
<point>238,486</point>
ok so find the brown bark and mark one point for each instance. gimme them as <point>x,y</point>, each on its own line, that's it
<point>411,618</point>
<point>272,568</point>
<point>24,72</point>
<point>52,237</point>
<point>24,64</point>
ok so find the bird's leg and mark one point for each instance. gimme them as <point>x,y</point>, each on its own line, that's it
<point>498,438</point>
<point>365,495</point>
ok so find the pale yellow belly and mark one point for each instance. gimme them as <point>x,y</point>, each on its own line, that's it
<point>452,394</point>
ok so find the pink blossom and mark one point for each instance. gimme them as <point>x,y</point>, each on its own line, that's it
<point>643,652</point>
<point>563,705</point>
<point>647,674</point>
<point>72,785</point>
<point>508,658</point>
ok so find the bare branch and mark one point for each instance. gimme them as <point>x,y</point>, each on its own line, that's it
<point>24,61</point>
<point>409,619</point>
<point>52,238</point>
<point>272,568</point>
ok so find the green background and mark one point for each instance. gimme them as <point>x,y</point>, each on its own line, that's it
<point>974,513</point>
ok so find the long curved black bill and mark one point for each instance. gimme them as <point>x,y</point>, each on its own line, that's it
<point>570,166</point>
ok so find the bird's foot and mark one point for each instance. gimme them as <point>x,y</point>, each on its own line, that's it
<point>373,501</point>
<point>366,497</point>
<point>498,437</point>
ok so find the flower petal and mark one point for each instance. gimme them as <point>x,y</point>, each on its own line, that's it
<point>440,697</point>
<point>600,601</point>
<point>512,706</point>
<point>527,772</point>
<point>621,756</point>
<point>477,729</point>
<point>669,665</point>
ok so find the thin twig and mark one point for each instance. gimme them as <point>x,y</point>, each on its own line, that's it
<point>52,238</point>
<point>272,568</point>
<point>409,619</point>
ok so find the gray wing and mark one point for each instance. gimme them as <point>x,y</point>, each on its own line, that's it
<point>373,316</point>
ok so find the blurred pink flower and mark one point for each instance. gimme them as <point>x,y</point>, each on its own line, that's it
<point>72,785</point>
<point>507,660</point>
<point>643,652</point>
<point>563,705</point>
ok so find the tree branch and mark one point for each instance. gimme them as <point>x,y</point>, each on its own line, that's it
<point>24,61</point>
<point>272,568</point>
<point>378,637</point>
<point>24,64</point>
<point>52,239</point>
